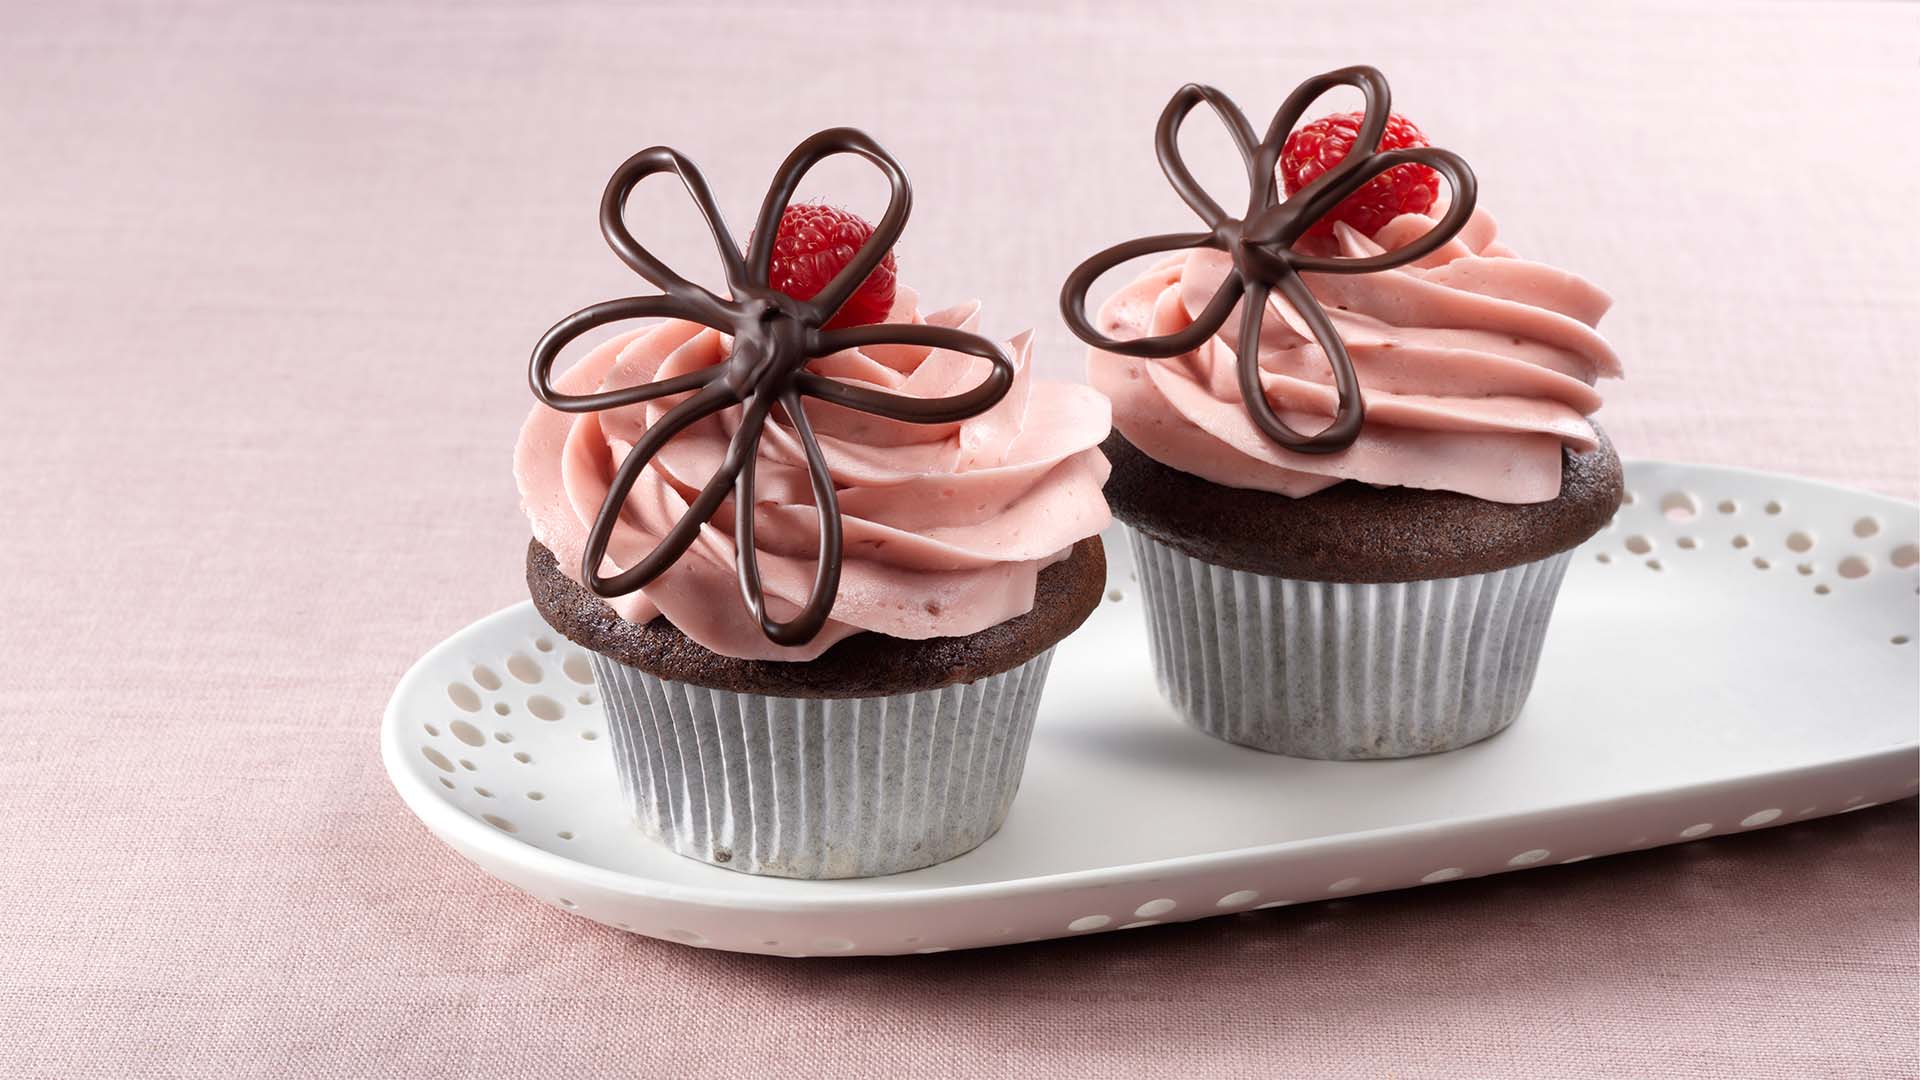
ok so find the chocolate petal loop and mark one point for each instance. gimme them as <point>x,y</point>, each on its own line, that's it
<point>1073,297</point>
<point>710,400</point>
<point>827,561</point>
<point>1465,193</point>
<point>1373,125</point>
<point>563,333</point>
<point>1174,164</point>
<point>613,226</point>
<point>817,148</point>
<point>912,410</point>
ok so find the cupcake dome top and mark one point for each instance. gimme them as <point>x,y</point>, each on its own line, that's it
<point>1287,351</point>
<point>917,494</point>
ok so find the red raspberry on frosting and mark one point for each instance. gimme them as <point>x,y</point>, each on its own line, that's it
<point>813,243</point>
<point>1324,143</point>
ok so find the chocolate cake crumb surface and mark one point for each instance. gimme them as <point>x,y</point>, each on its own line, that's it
<point>1354,532</point>
<point>864,665</point>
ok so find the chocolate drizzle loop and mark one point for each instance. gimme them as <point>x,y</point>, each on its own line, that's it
<point>1261,242</point>
<point>774,336</point>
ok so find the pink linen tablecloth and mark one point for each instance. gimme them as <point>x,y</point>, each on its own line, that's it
<point>268,276</point>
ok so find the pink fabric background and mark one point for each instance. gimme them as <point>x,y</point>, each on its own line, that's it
<point>268,276</point>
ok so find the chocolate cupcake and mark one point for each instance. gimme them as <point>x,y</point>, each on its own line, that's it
<point>1351,441</point>
<point>819,627</point>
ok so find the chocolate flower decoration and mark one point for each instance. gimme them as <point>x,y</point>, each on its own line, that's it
<point>774,336</point>
<point>1261,242</point>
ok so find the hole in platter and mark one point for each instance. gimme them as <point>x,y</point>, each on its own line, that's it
<point>1628,498</point>
<point>1799,541</point>
<point>501,708</point>
<point>1805,569</point>
<point>484,675</point>
<point>1741,541</point>
<point>589,735</point>
<point>445,783</point>
<point>1899,639</point>
<point>467,733</point>
<point>1822,589</point>
<point>1905,555</point>
<point>1773,506</point>
<point>522,667</point>
<point>545,707</point>
<point>1679,506</point>
<point>467,765</point>
<point>1116,595</point>
<point>1603,557</point>
<point>1528,858</point>
<point>483,793</point>
<point>577,668</point>
<point>1692,831</point>
<point>1088,922</point>
<point>430,729</point>
<point>1447,873</point>
<point>585,699</point>
<point>439,759</point>
<point>1154,908</point>
<point>1761,564</point>
<point>500,823</point>
<point>501,736</point>
<point>1759,818</point>
<point>1687,543</point>
<point>463,696</point>
<point>522,757</point>
<point>568,904</point>
<point>833,944</point>
<point>535,796</point>
<point>1728,506</point>
<point>1238,897</point>
<point>1639,545</point>
<point>1654,564</point>
<point>1855,566</point>
<point>1345,884</point>
<point>566,834</point>
<point>1866,526</point>
<point>543,644</point>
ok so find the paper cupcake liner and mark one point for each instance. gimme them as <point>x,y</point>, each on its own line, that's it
<point>1326,670</point>
<point>812,788</point>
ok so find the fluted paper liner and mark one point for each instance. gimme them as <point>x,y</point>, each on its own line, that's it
<point>812,788</point>
<point>1326,670</point>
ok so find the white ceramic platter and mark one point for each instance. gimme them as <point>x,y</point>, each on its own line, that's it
<point>1735,651</point>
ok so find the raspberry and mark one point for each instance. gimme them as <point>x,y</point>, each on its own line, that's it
<point>1319,146</point>
<point>812,245</point>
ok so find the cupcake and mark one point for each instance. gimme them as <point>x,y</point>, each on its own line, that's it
<point>1351,438</point>
<point>819,545</point>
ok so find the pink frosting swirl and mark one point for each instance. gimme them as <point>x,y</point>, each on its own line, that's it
<point>1477,367</point>
<point>947,526</point>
